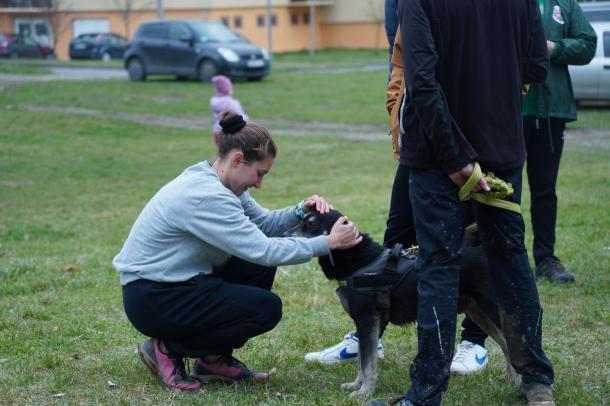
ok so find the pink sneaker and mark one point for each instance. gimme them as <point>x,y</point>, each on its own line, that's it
<point>169,370</point>
<point>226,369</point>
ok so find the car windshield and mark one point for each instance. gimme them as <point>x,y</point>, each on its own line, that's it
<point>215,32</point>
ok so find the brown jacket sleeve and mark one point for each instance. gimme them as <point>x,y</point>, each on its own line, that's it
<point>395,91</point>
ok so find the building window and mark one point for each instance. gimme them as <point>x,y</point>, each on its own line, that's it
<point>306,18</point>
<point>237,22</point>
<point>273,20</point>
<point>294,19</point>
<point>260,20</point>
<point>225,20</point>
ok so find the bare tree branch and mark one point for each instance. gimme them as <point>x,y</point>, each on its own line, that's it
<point>58,21</point>
<point>126,8</point>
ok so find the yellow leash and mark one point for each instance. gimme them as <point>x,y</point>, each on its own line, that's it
<point>484,197</point>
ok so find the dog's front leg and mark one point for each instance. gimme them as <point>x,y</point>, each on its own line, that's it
<point>368,336</point>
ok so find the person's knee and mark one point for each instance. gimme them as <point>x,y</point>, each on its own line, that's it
<point>271,311</point>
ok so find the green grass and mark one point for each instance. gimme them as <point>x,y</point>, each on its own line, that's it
<point>281,95</point>
<point>71,187</point>
<point>13,68</point>
<point>300,59</point>
<point>115,63</point>
<point>593,117</point>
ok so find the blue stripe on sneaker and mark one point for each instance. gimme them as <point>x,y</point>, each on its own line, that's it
<point>344,354</point>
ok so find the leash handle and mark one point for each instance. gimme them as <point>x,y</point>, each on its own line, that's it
<point>483,197</point>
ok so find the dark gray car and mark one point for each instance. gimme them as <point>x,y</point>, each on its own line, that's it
<point>193,48</point>
<point>104,46</point>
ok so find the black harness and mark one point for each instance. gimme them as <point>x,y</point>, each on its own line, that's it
<point>380,277</point>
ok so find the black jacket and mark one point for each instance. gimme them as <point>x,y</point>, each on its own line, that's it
<point>464,63</point>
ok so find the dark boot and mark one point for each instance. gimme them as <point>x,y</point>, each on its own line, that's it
<point>552,269</point>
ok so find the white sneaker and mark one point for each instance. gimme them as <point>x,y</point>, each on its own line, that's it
<point>469,358</point>
<point>346,350</point>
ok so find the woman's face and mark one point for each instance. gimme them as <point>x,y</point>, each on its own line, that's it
<point>248,174</point>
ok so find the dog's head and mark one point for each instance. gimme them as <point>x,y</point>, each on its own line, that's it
<point>343,262</point>
<point>315,224</point>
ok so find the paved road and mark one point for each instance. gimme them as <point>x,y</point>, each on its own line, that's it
<point>88,73</point>
<point>64,73</point>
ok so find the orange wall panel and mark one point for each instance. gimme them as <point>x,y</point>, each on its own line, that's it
<point>286,36</point>
<point>354,35</point>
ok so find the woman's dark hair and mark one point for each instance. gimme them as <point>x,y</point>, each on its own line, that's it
<point>251,139</point>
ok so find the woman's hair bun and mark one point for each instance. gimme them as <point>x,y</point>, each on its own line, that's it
<point>231,122</point>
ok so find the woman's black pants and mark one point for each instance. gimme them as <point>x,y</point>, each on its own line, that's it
<point>208,314</point>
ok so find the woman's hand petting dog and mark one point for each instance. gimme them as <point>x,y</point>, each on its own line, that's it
<point>343,235</point>
<point>317,203</point>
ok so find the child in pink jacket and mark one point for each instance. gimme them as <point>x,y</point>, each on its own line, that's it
<point>223,100</point>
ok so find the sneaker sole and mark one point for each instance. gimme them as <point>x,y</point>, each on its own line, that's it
<point>207,379</point>
<point>337,361</point>
<point>467,372</point>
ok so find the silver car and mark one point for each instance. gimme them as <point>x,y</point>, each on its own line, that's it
<point>592,81</point>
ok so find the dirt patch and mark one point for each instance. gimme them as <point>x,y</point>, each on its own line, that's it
<point>292,128</point>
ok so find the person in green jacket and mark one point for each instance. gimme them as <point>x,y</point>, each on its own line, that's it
<point>546,109</point>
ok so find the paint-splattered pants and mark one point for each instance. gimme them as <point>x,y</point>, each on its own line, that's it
<point>439,221</point>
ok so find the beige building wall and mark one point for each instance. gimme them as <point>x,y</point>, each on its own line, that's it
<point>6,22</point>
<point>354,36</point>
<point>338,23</point>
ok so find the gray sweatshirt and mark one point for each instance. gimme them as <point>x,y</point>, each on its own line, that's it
<point>195,224</point>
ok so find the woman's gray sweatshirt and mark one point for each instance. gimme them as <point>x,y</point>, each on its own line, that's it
<point>195,224</point>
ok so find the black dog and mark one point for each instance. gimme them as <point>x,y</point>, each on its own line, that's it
<point>379,286</point>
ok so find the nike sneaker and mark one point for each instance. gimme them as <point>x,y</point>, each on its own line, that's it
<point>346,350</point>
<point>469,358</point>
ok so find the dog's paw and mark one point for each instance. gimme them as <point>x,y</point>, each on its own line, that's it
<point>351,385</point>
<point>361,393</point>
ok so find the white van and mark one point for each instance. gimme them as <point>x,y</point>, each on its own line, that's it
<point>592,81</point>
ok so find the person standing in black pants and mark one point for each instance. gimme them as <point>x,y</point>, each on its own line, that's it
<point>463,77</point>
<point>546,109</point>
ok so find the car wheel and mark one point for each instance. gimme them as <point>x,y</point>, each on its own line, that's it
<point>206,70</point>
<point>255,79</point>
<point>106,57</point>
<point>136,70</point>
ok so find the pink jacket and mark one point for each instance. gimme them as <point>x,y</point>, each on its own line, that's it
<point>223,103</point>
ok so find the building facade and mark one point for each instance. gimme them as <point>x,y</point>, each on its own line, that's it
<point>295,24</point>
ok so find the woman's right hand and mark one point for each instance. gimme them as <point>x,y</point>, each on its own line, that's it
<point>343,235</point>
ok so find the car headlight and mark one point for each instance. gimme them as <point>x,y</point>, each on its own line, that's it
<point>228,54</point>
<point>265,53</point>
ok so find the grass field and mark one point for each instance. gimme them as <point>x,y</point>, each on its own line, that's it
<point>71,187</point>
<point>12,68</point>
